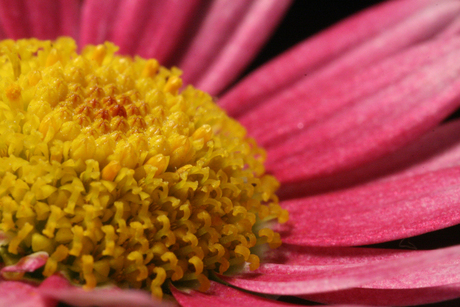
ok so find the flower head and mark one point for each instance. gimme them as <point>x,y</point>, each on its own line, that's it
<point>120,176</point>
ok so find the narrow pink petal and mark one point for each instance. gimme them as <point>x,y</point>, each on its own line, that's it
<point>356,42</point>
<point>14,23</point>
<point>20,294</point>
<point>315,101</point>
<point>221,296</point>
<point>219,23</point>
<point>28,263</point>
<point>96,21</point>
<point>377,212</point>
<point>294,259</point>
<point>131,23</point>
<point>246,41</point>
<point>58,288</point>
<point>372,126</point>
<point>69,18</point>
<point>320,256</point>
<point>436,150</point>
<point>388,297</point>
<point>43,18</point>
<point>297,280</point>
<point>161,37</point>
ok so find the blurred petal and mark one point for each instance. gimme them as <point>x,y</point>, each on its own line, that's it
<point>388,297</point>
<point>222,296</point>
<point>43,18</point>
<point>58,288</point>
<point>28,263</point>
<point>14,23</point>
<point>69,14</point>
<point>161,37</point>
<point>354,43</point>
<point>20,294</point>
<point>219,23</point>
<point>376,212</point>
<point>96,20</point>
<point>244,43</point>
<point>296,280</point>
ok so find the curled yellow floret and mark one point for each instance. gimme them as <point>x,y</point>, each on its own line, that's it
<point>120,175</point>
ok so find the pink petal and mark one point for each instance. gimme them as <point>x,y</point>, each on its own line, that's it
<point>43,18</point>
<point>372,126</point>
<point>219,23</point>
<point>221,296</point>
<point>293,259</point>
<point>20,294</point>
<point>69,14</point>
<point>96,21</point>
<point>296,280</point>
<point>12,19</point>
<point>376,212</point>
<point>58,288</point>
<point>356,42</point>
<point>318,101</point>
<point>388,297</point>
<point>436,150</point>
<point>128,25</point>
<point>28,263</point>
<point>243,45</point>
<point>161,37</point>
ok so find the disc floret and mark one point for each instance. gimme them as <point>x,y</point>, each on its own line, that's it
<point>119,175</point>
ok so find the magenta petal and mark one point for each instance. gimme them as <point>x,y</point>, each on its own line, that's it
<point>12,19</point>
<point>243,45</point>
<point>43,18</point>
<point>161,36</point>
<point>96,21</point>
<point>297,280</point>
<point>372,126</point>
<point>69,13</point>
<point>376,212</point>
<point>219,23</point>
<point>436,150</point>
<point>222,296</point>
<point>388,297</point>
<point>28,263</point>
<point>128,26</point>
<point>20,294</point>
<point>59,289</point>
<point>356,42</point>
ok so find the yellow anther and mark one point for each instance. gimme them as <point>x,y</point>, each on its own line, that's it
<point>77,243</point>
<point>197,263</point>
<point>150,68</point>
<point>51,266</point>
<point>173,85</point>
<point>21,235</point>
<point>111,170</point>
<point>243,251</point>
<point>139,263</point>
<point>157,282</point>
<point>99,54</point>
<point>160,162</point>
<point>52,58</point>
<point>110,238</point>
<point>56,214</point>
<point>254,262</point>
<point>42,243</point>
<point>87,270</point>
<point>205,284</point>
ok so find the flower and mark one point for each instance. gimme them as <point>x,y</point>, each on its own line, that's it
<point>360,152</point>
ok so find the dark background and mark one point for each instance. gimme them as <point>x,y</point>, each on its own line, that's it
<point>304,19</point>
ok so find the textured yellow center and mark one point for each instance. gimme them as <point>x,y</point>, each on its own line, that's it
<point>117,174</point>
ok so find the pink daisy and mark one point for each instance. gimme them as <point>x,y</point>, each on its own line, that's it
<point>352,121</point>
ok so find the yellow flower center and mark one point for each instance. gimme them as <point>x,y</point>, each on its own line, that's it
<point>117,174</point>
